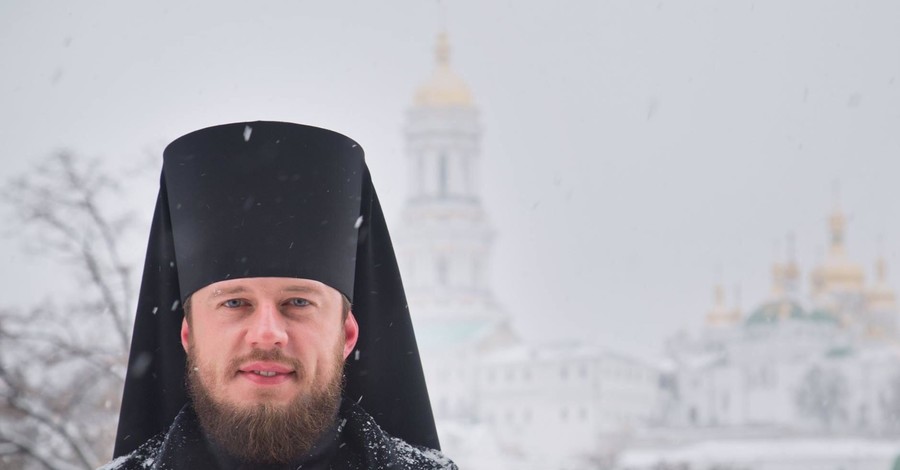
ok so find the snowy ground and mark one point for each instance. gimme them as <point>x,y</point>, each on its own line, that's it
<point>769,454</point>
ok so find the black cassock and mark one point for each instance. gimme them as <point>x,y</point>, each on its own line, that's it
<point>355,442</point>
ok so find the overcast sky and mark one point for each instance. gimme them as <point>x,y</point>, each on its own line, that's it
<point>634,152</point>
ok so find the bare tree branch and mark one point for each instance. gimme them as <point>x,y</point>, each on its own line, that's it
<point>47,419</point>
<point>61,365</point>
<point>24,448</point>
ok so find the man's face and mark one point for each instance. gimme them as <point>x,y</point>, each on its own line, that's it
<point>267,341</point>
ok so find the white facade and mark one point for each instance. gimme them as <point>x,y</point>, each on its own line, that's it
<point>571,397</point>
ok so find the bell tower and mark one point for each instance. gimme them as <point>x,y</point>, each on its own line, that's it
<point>445,237</point>
<point>444,242</point>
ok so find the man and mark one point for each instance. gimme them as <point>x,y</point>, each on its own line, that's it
<point>246,351</point>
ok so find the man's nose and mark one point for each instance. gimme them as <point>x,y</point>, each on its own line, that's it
<point>267,328</point>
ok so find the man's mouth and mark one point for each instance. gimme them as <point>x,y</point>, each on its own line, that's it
<point>266,373</point>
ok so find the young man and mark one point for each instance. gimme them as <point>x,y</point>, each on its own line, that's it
<point>246,351</point>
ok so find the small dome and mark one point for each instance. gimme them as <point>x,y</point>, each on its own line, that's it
<point>444,88</point>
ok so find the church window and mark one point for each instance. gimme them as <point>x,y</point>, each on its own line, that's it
<point>420,173</point>
<point>442,174</point>
<point>442,271</point>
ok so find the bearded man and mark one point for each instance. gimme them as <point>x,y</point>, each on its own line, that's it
<point>246,351</point>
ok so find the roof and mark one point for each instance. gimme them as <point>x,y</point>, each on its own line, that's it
<point>453,333</point>
<point>775,311</point>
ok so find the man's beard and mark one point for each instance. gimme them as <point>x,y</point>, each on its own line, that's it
<point>265,432</point>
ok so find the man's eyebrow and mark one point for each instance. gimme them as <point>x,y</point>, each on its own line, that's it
<point>221,292</point>
<point>301,289</point>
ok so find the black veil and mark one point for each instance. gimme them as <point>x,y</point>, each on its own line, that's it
<point>262,199</point>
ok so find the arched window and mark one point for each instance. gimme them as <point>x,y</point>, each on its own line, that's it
<point>442,271</point>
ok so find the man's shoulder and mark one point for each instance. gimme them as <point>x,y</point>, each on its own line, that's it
<point>386,451</point>
<point>142,458</point>
<point>420,458</point>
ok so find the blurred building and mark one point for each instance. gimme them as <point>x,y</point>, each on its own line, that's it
<point>794,368</point>
<point>485,383</point>
<point>828,361</point>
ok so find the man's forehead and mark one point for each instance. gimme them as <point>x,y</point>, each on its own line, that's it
<point>267,285</point>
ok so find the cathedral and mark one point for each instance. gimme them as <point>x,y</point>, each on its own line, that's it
<point>801,381</point>
<point>822,362</point>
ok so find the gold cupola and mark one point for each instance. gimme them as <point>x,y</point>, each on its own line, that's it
<point>880,297</point>
<point>720,315</point>
<point>837,273</point>
<point>444,88</point>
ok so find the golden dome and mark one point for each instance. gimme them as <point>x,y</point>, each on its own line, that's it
<point>881,296</point>
<point>444,88</point>
<point>838,273</point>
<point>720,315</point>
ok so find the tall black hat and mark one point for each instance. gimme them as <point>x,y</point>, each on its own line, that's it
<point>272,199</point>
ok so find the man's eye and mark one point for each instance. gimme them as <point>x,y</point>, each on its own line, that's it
<point>298,302</point>
<point>233,303</point>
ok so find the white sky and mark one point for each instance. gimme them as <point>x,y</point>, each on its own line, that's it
<point>632,150</point>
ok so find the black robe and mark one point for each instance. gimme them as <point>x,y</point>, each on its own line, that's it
<point>355,442</point>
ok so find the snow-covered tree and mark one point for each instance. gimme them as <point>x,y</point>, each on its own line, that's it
<point>822,396</point>
<point>890,403</point>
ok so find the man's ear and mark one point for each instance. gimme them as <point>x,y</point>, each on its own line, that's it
<point>185,333</point>
<point>351,334</point>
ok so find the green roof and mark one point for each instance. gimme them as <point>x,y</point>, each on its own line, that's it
<point>839,352</point>
<point>823,316</point>
<point>772,312</point>
<point>440,335</point>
